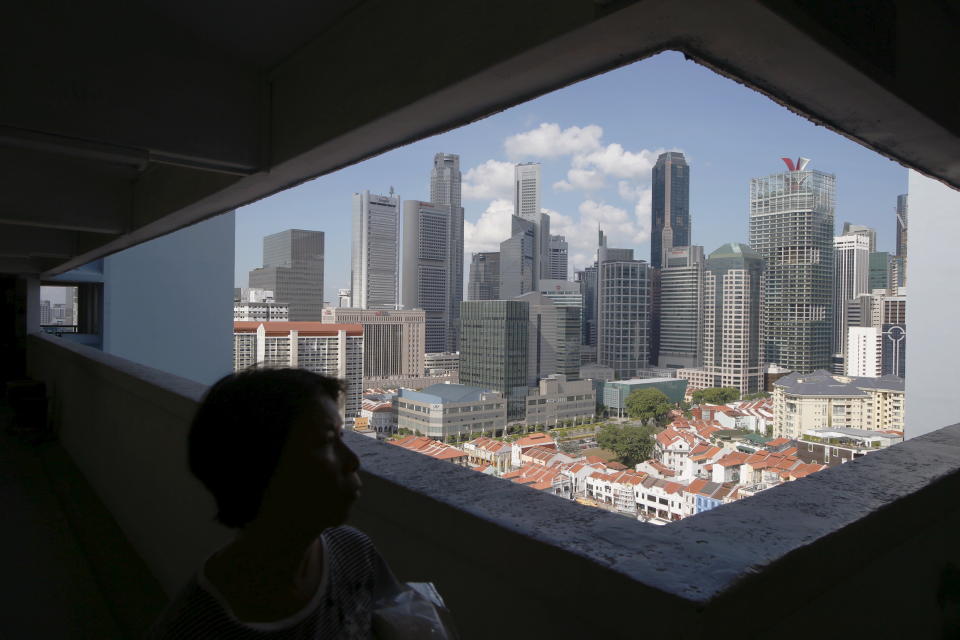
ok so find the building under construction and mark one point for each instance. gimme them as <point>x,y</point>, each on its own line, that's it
<point>791,227</point>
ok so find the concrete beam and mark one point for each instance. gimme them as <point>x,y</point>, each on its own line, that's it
<point>40,190</point>
<point>27,266</point>
<point>327,110</point>
<point>18,241</point>
<point>121,74</point>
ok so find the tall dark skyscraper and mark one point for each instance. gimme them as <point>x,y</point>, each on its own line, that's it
<point>670,207</point>
<point>293,270</point>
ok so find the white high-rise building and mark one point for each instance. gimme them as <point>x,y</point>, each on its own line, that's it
<point>375,251</point>
<point>334,350</point>
<point>852,279</point>
<point>864,346</point>
<point>526,191</point>
<point>732,322</point>
<point>525,257</point>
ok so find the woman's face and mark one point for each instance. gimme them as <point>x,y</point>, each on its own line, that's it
<point>316,480</point>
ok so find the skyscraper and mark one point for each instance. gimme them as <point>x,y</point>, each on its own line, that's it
<point>879,270</point>
<point>519,259</point>
<point>851,280</point>
<point>493,349</point>
<point>588,288</point>
<point>484,283</point>
<point>623,312</point>
<point>431,280</point>
<point>445,191</point>
<point>731,350</point>
<point>861,230</point>
<point>791,228</point>
<point>681,318</point>
<point>293,270</point>
<point>557,267</point>
<point>670,206</point>
<point>525,256</point>
<point>375,251</point>
<point>526,190</point>
<point>898,265</point>
<point>553,338</point>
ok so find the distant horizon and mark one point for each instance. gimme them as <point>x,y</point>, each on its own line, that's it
<point>596,142</point>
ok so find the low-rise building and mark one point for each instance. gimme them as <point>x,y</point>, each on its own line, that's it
<point>484,450</point>
<point>820,400</point>
<point>836,446</point>
<point>432,448</point>
<point>539,439</point>
<point>672,446</point>
<point>549,479</point>
<point>444,410</point>
<point>557,400</point>
<point>615,392</point>
<point>380,414</point>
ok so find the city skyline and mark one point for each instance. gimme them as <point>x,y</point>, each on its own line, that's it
<point>595,160</point>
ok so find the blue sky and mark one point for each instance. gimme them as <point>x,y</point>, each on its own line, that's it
<point>598,139</point>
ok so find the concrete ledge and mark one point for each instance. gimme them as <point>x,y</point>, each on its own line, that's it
<point>513,562</point>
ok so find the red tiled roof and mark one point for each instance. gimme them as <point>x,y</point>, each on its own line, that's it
<point>778,442</point>
<point>274,329</point>
<point>428,447</point>
<point>535,440</point>
<point>732,459</point>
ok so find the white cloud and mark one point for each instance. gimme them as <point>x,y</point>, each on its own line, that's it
<point>623,228</point>
<point>585,179</point>
<point>492,179</point>
<point>490,229</point>
<point>629,191</point>
<point>563,185</point>
<point>616,161</point>
<point>549,141</point>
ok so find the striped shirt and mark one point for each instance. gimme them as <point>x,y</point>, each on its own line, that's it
<point>353,572</point>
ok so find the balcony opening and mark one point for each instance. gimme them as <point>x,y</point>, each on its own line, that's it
<point>716,251</point>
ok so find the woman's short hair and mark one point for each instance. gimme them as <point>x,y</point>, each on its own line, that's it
<point>239,431</point>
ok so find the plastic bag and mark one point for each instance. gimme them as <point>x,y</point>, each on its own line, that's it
<point>413,610</point>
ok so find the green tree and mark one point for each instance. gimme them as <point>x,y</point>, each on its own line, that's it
<point>644,404</point>
<point>755,396</point>
<point>715,395</point>
<point>631,443</point>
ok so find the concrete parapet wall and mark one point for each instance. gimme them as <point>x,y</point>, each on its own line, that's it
<point>860,549</point>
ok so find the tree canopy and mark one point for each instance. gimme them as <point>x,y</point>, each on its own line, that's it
<point>715,395</point>
<point>644,404</point>
<point>631,443</point>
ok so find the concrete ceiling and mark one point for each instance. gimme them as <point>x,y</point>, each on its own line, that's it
<point>124,121</point>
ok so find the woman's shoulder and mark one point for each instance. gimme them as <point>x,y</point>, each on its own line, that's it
<point>349,541</point>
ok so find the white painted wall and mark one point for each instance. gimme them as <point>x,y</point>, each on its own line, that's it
<point>933,304</point>
<point>168,303</point>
